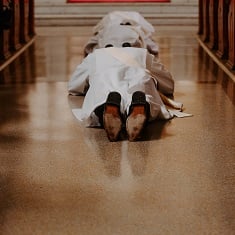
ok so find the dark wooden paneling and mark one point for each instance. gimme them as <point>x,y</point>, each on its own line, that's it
<point>217,29</point>
<point>222,51</point>
<point>231,35</point>
<point>19,31</point>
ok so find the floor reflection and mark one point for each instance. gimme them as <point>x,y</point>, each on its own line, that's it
<point>128,156</point>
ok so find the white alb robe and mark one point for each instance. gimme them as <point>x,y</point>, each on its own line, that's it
<point>124,70</point>
<point>112,30</point>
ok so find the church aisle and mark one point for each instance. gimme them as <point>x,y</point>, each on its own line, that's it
<point>58,177</point>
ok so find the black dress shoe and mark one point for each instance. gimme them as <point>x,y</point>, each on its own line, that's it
<point>112,119</point>
<point>138,115</point>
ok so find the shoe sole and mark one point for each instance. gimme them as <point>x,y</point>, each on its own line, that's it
<point>135,122</point>
<point>112,122</point>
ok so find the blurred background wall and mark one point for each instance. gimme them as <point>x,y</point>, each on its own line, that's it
<point>60,13</point>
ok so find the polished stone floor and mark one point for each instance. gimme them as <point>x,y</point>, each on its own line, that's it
<point>58,177</point>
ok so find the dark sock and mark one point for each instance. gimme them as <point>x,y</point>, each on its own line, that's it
<point>99,111</point>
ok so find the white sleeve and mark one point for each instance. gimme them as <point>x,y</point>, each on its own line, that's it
<point>164,78</point>
<point>79,83</point>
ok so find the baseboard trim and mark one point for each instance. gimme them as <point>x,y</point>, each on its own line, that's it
<point>16,54</point>
<point>230,73</point>
<point>228,81</point>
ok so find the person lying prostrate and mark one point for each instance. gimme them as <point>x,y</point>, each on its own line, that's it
<point>123,87</point>
<point>113,26</point>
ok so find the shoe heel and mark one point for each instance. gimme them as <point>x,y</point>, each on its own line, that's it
<point>138,98</point>
<point>114,98</point>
